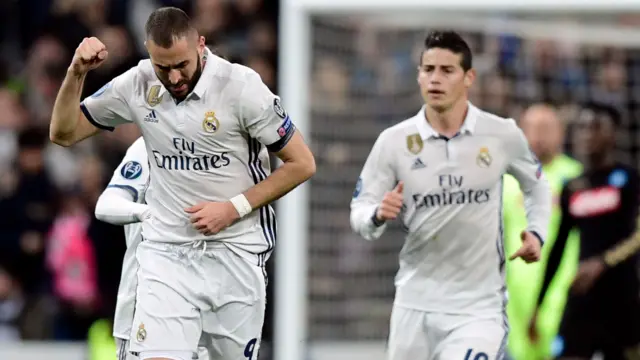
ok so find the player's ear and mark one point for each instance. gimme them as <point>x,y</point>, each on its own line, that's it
<point>469,77</point>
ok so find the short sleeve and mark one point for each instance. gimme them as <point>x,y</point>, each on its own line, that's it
<point>263,115</point>
<point>133,172</point>
<point>109,107</point>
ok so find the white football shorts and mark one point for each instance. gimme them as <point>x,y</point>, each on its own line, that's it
<point>417,334</point>
<point>197,293</point>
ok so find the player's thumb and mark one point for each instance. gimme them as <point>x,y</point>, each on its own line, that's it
<point>399,188</point>
<point>523,235</point>
<point>517,254</point>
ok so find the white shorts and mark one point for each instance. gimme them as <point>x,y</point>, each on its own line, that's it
<point>123,353</point>
<point>417,334</point>
<point>206,295</point>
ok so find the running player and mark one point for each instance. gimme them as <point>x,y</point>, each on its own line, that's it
<point>603,310</point>
<point>122,203</point>
<point>440,172</point>
<point>208,126</point>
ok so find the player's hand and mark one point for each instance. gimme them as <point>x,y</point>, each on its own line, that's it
<point>530,249</point>
<point>90,54</point>
<point>391,204</point>
<point>210,218</point>
<point>588,272</point>
<point>532,331</point>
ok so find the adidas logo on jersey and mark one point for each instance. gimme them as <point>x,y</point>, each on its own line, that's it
<point>418,164</point>
<point>151,117</point>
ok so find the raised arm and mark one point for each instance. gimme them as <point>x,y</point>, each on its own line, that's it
<point>72,121</point>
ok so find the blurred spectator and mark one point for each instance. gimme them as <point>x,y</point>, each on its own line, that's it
<point>28,209</point>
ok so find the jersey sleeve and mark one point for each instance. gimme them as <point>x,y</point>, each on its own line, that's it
<point>377,177</point>
<point>132,174</point>
<point>263,115</point>
<point>109,107</point>
<point>625,249</point>
<point>567,223</point>
<point>526,168</point>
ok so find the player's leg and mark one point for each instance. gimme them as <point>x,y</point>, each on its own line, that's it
<point>471,338</point>
<point>622,330</point>
<point>408,338</point>
<point>167,322</point>
<point>233,328</point>
<point>578,338</point>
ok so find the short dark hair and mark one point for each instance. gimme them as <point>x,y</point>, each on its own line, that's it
<point>166,24</point>
<point>32,137</point>
<point>452,41</point>
<point>600,108</point>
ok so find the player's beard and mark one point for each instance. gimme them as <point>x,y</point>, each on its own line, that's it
<point>191,83</point>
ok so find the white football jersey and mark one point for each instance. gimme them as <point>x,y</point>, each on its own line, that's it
<point>210,147</point>
<point>453,256</point>
<point>132,175</point>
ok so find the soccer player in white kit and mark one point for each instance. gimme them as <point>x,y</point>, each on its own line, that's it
<point>208,127</point>
<point>440,173</point>
<point>123,203</point>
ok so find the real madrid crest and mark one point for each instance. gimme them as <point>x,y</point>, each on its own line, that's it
<point>153,97</point>
<point>210,124</point>
<point>484,158</point>
<point>414,143</point>
<point>141,335</point>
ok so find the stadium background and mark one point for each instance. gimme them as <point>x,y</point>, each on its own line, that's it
<point>362,80</point>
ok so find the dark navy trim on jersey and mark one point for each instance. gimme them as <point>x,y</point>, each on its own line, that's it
<point>538,236</point>
<point>93,121</point>
<point>267,218</point>
<point>280,144</point>
<point>374,219</point>
<point>128,188</point>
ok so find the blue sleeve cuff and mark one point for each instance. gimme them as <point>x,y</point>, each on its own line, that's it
<point>538,236</point>
<point>128,188</point>
<point>93,121</point>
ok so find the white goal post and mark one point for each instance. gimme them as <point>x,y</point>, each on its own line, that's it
<point>295,52</point>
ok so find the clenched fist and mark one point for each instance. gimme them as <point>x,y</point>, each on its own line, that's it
<point>90,54</point>
<point>391,204</point>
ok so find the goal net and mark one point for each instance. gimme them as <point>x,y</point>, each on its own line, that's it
<point>363,80</point>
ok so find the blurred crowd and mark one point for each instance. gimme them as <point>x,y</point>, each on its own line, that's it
<point>57,279</point>
<point>364,80</point>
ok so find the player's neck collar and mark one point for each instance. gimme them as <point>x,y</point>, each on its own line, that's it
<point>427,131</point>
<point>207,68</point>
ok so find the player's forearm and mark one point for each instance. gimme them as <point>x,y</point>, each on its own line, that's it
<point>284,179</point>
<point>66,110</point>
<point>538,205</point>
<point>116,206</point>
<point>622,251</point>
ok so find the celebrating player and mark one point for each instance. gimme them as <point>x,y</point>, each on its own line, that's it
<point>440,172</point>
<point>208,126</point>
<point>603,309</point>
